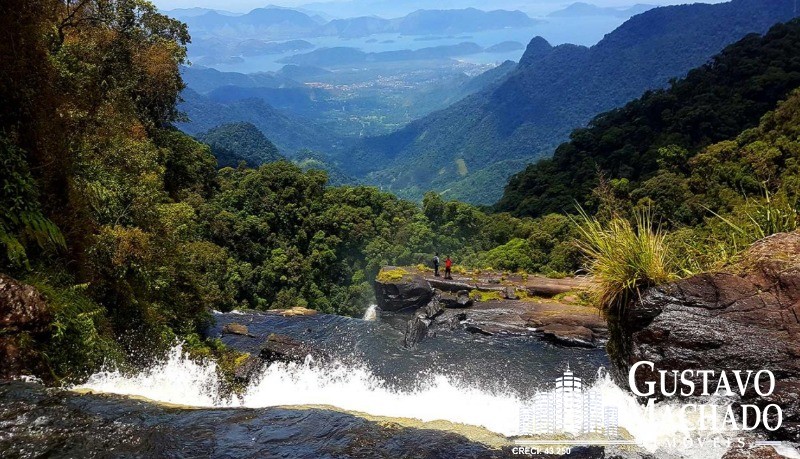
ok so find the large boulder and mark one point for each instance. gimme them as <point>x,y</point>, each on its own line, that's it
<point>744,317</point>
<point>397,289</point>
<point>23,313</point>
<point>236,329</point>
<point>449,285</point>
<point>547,288</point>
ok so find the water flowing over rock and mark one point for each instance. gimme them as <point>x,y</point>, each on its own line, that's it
<point>282,348</point>
<point>744,317</point>
<point>371,314</point>
<point>247,369</point>
<point>23,311</point>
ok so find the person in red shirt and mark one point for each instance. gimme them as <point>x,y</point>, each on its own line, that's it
<point>448,263</point>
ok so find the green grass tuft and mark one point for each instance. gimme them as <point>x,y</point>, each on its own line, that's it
<point>623,258</point>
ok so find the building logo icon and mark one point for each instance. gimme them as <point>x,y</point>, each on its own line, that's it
<point>569,408</point>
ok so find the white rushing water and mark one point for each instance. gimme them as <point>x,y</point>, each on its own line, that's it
<point>371,313</point>
<point>179,380</point>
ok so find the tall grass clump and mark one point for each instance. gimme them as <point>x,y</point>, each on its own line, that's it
<point>760,218</point>
<point>624,258</point>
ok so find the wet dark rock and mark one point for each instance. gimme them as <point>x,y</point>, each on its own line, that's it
<point>282,348</point>
<point>752,452</point>
<point>417,327</point>
<point>24,314</point>
<point>450,320</point>
<point>458,300</point>
<point>416,331</point>
<point>569,335</point>
<point>431,310</point>
<point>101,426</point>
<point>246,370</point>
<point>478,330</point>
<point>745,317</point>
<point>410,291</point>
<point>236,329</point>
<point>567,325</point>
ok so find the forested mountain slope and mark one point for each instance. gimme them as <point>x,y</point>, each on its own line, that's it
<point>714,102</point>
<point>290,133</point>
<point>236,142</point>
<point>552,91</point>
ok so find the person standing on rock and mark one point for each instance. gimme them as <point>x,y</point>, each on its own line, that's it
<point>448,264</point>
<point>436,264</point>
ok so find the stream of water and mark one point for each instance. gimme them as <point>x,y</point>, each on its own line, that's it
<point>455,395</point>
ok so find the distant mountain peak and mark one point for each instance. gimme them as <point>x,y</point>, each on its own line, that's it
<point>579,9</point>
<point>536,50</point>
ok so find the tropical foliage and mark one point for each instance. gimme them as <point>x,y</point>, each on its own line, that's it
<point>132,232</point>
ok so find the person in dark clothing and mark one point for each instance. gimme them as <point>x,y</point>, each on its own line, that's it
<point>436,264</point>
<point>448,264</point>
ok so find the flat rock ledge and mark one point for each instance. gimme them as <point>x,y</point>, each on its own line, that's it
<point>486,307</point>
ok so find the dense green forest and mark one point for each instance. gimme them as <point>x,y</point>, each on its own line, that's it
<point>236,142</point>
<point>644,147</point>
<point>711,162</point>
<point>133,233</point>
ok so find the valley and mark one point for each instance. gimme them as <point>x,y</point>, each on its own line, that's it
<point>410,117</point>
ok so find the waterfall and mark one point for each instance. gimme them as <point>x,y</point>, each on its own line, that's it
<point>181,381</point>
<point>371,313</point>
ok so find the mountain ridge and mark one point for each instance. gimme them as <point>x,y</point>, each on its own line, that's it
<point>552,91</point>
<point>661,130</point>
<point>291,23</point>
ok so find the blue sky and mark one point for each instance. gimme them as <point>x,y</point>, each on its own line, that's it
<point>529,5</point>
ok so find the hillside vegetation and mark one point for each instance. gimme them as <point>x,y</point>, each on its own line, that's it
<point>236,142</point>
<point>644,146</point>
<point>552,91</point>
